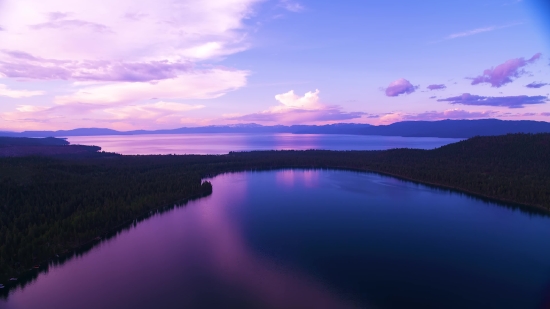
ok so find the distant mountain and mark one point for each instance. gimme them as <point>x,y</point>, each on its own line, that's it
<point>443,128</point>
<point>459,128</point>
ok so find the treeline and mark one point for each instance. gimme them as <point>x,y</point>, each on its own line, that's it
<point>25,141</point>
<point>50,205</point>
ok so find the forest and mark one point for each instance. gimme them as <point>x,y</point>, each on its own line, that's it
<point>50,205</point>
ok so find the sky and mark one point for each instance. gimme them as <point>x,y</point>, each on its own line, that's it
<point>162,64</point>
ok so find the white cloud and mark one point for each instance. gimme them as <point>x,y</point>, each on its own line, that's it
<point>198,85</point>
<point>132,30</point>
<point>126,105</point>
<point>118,55</point>
<point>292,6</point>
<point>16,94</point>
<point>478,30</point>
<point>470,32</point>
<point>310,100</point>
<point>155,111</point>
<point>295,109</point>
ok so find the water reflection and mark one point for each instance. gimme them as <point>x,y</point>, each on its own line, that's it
<point>289,177</point>
<point>224,143</point>
<point>145,266</point>
<point>310,239</point>
<point>233,262</point>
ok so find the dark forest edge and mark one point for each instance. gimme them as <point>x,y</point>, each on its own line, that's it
<point>52,205</point>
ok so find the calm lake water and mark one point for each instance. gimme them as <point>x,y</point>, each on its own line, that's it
<point>311,239</point>
<point>223,143</point>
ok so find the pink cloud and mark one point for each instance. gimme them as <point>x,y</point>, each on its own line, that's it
<point>24,65</point>
<point>507,101</point>
<point>137,116</point>
<point>70,24</point>
<point>505,72</point>
<point>16,94</point>
<point>400,86</point>
<point>126,105</point>
<point>295,109</point>
<point>167,29</point>
<point>115,60</point>
<point>436,87</point>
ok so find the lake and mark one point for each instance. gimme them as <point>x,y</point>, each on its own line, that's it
<point>311,239</point>
<point>220,143</point>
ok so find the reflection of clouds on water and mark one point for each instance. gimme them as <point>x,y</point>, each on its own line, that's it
<point>285,141</point>
<point>248,245</point>
<point>270,284</point>
<point>290,177</point>
<point>222,143</point>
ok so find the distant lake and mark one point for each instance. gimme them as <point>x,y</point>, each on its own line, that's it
<point>311,239</point>
<point>219,143</point>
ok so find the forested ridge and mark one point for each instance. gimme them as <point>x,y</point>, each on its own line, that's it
<point>49,205</point>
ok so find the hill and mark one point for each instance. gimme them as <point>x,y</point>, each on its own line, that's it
<point>443,128</point>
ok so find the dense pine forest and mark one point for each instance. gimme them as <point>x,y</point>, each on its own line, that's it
<point>51,205</point>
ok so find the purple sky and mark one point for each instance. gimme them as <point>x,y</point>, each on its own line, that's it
<point>153,64</point>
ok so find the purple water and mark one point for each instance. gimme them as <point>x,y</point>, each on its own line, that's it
<point>223,143</point>
<point>311,239</point>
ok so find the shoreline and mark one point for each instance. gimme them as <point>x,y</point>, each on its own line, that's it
<point>83,195</point>
<point>84,247</point>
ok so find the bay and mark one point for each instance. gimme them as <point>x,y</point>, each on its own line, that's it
<point>311,239</point>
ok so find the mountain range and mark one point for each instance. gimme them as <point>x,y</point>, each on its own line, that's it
<point>442,128</point>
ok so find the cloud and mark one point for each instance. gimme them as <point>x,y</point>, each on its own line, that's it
<point>509,101</point>
<point>300,116</point>
<point>127,105</point>
<point>436,87</point>
<point>536,85</point>
<point>16,94</point>
<point>294,109</point>
<point>478,31</point>
<point>24,65</point>
<point>136,116</point>
<point>310,100</point>
<point>503,73</point>
<point>71,24</point>
<point>156,111</point>
<point>436,115</point>
<point>292,6</point>
<point>114,61</point>
<point>160,30</point>
<point>470,32</point>
<point>197,85</point>
<point>400,86</point>
<point>545,114</point>
<point>513,2</point>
